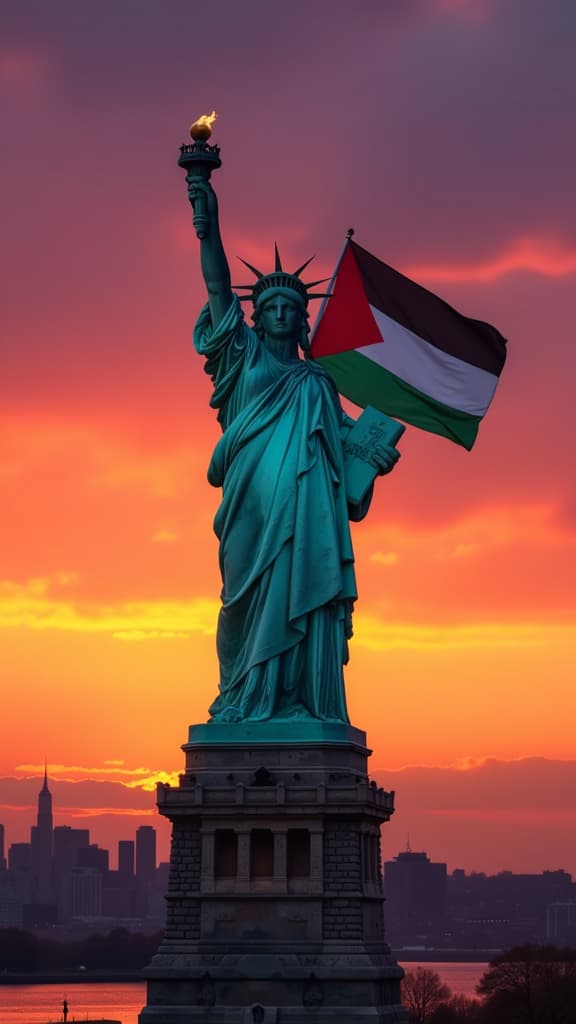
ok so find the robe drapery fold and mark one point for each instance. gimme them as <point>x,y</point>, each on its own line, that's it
<point>285,549</point>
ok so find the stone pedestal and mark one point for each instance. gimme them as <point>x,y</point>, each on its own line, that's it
<point>275,906</point>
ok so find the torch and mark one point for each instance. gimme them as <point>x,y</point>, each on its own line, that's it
<point>199,160</point>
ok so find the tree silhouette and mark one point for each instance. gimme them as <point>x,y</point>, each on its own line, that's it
<point>530,985</point>
<point>119,950</point>
<point>459,1009</point>
<point>19,951</point>
<point>423,992</point>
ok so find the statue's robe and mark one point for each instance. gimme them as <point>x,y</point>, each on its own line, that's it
<point>285,549</point>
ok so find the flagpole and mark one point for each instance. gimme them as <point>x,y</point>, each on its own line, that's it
<point>347,239</point>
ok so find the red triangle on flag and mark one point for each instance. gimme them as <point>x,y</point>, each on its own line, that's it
<point>347,321</point>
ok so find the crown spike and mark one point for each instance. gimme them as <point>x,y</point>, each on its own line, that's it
<point>319,295</point>
<point>279,278</point>
<point>303,267</point>
<point>312,284</point>
<point>254,270</point>
<point>277,261</point>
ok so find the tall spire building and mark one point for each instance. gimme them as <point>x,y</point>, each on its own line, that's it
<point>41,846</point>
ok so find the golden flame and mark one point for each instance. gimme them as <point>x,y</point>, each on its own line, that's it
<point>201,130</point>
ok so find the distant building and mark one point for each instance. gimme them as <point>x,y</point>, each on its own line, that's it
<point>415,890</point>
<point>10,904</point>
<point>67,842</point>
<point>20,858</point>
<point>145,854</point>
<point>41,847</point>
<point>81,894</point>
<point>20,871</point>
<point>93,856</point>
<point>126,860</point>
<point>561,924</point>
<point>2,854</point>
<point>145,869</point>
<point>507,909</point>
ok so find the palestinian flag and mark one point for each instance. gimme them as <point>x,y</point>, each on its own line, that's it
<point>391,344</point>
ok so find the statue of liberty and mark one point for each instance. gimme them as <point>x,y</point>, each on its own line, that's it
<point>286,558</point>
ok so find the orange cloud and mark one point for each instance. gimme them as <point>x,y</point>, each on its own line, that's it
<point>98,812</point>
<point>478,533</point>
<point>37,604</point>
<point>385,557</point>
<point>543,255</point>
<point>165,536</point>
<point>509,815</point>
<point>104,458</point>
<point>145,779</point>
<point>31,605</point>
<point>378,634</point>
<point>162,475</point>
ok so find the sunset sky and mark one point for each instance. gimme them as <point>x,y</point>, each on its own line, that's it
<point>443,132</point>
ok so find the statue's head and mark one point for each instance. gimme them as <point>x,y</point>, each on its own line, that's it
<point>280,313</point>
<point>280,302</point>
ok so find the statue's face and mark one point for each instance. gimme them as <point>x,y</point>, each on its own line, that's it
<point>280,317</point>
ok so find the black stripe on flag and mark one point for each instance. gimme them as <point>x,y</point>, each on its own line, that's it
<point>428,316</point>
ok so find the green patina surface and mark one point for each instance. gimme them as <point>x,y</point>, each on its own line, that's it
<point>276,732</point>
<point>286,557</point>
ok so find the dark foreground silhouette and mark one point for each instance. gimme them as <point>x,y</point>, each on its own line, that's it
<point>524,985</point>
<point>120,950</point>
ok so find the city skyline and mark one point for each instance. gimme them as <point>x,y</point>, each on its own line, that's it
<point>431,806</point>
<point>59,876</point>
<point>437,129</point>
<point>62,882</point>
<point>143,856</point>
<point>39,838</point>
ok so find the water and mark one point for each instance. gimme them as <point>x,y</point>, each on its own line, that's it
<point>42,1004</point>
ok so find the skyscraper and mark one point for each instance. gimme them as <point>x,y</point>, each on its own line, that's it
<point>415,889</point>
<point>2,854</point>
<point>145,854</point>
<point>67,842</point>
<point>126,860</point>
<point>41,846</point>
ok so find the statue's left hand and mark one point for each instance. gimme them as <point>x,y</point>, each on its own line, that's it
<point>384,457</point>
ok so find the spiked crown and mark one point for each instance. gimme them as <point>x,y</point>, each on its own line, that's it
<point>279,278</point>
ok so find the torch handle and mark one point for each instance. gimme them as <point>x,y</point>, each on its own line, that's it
<point>199,160</point>
<point>200,214</point>
<point>200,217</point>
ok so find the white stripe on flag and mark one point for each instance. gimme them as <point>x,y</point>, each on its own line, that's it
<point>441,376</point>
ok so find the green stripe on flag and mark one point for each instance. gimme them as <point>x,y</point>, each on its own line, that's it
<point>364,382</point>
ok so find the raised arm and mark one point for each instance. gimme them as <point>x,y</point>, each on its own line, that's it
<point>215,269</point>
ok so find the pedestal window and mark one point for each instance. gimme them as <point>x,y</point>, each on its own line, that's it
<point>261,854</point>
<point>298,853</point>
<point>225,854</point>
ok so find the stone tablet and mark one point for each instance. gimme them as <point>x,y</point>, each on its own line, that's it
<point>371,429</point>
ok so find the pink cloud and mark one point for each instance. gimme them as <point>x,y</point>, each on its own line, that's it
<point>99,812</point>
<point>492,816</point>
<point>481,814</point>
<point>20,68</point>
<point>467,10</point>
<point>548,256</point>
